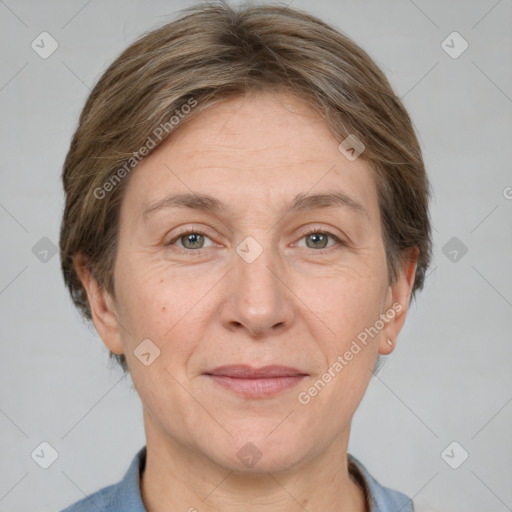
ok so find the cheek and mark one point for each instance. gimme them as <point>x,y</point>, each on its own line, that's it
<point>141,309</point>
<point>351,300</point>
<point>350,306</point>
<point>349,352</point>
<point>168,306</point>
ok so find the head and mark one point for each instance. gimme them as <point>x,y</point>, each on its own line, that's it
<point>254,107</point>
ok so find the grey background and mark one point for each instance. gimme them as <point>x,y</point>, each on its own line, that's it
<point>449,378</point>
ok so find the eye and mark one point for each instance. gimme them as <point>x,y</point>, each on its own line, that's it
<point>190,239</point>
<point>317,239</point>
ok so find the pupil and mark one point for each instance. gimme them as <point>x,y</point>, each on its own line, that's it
<point>316,237</point>
<point>190,238</point>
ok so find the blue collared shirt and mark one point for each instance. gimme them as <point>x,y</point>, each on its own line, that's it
<point>125,496</point>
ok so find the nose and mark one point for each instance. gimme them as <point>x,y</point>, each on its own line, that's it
<point>259,300</point>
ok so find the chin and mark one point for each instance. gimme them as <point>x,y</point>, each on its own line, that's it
<point>257,451</point>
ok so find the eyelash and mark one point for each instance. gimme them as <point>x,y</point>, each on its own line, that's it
<point>310,231</point>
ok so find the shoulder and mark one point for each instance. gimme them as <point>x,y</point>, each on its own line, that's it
<point>99,500</point>
<point>382,499</point>
<point>125,495</point>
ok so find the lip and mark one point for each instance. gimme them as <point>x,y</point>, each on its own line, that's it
<point>244,371</point>
<point>250,382</point>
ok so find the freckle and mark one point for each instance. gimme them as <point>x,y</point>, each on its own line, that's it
<point>164,309</point>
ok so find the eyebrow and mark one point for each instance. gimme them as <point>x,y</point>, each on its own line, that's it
<point>300,202</point>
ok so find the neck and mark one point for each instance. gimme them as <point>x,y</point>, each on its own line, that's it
<point>176,477</point>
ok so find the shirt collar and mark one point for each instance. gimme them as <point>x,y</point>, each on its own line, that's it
<point>127,496</point>
<point>380,498</point>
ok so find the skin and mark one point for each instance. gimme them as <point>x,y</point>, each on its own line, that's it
<point>296,305</point>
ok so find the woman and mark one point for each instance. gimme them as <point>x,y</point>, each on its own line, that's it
<point>246,223</point>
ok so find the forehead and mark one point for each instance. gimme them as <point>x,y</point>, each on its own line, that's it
<point>262,150</point>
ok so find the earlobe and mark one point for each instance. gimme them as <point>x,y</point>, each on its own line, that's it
<point>397,304</point>
<point>102,306</point>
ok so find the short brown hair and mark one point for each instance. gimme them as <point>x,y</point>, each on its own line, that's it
<point>211,53</point>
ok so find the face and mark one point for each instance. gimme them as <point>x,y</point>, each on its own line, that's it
<point>268,276</point>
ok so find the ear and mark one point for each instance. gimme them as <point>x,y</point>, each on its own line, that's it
<point>102,306</point>
<point>397,303</point>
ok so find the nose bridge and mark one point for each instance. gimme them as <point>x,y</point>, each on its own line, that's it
<point>256,283</point>
<point>258,298</point>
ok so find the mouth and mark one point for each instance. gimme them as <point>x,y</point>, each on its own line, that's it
<point>256,382</point>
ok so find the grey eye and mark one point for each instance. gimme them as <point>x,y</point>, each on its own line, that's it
<point>192,240</point>
<point>319,240</point>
